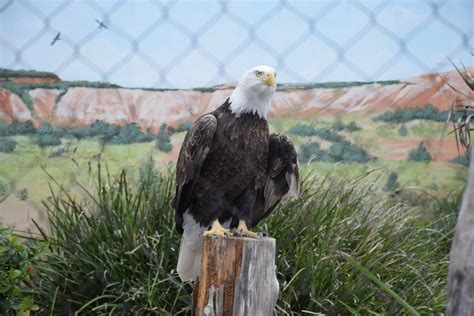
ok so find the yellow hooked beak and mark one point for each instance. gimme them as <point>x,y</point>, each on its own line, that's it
<point>270,80</point>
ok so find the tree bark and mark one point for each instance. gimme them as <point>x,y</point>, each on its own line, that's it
<point>461,261</point>
<point>238,277</point>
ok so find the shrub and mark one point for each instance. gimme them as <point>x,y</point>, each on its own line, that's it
<point>338,126</point>
<point>98,128</point>
<point>45,140</point>
<point>429,112</point>
<point>419,154</point>
<point>184,127</point>
<point>302,130</point>
<point>48,129</point>
<point>328,134</point>
<point>392,182</point>
<point>345,151</point>
<point>149,136</point>
<point>17,266</point>
<point>16,128</point>
<point>403,131</point>
<point>163,139</point>
<point>461,160</point>
<point>351,127</point>
<point>128,134</point>
<point>312,151</point>
<point>7,145</point>
<point>341,151</point>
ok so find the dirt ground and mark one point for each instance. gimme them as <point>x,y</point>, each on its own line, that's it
<point>18,214</point>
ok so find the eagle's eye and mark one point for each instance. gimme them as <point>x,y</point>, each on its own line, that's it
<point>259,73</point>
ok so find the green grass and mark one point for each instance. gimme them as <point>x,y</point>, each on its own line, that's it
<point>341,248</point>
<point>113,252</point>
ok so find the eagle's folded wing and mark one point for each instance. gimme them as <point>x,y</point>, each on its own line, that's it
<point>193,152</point>
<point>282,174</point>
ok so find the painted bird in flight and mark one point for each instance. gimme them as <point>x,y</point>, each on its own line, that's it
<point>56,38</point>
<point>101,24</point>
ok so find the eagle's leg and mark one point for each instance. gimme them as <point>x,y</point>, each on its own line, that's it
<point>244,231</point>
<point>217,230</point>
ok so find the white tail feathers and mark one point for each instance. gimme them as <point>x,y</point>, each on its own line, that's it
<point>189,260</point>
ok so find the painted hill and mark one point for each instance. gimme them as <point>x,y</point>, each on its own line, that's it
<point>28,76</point>
<point>81,103</point>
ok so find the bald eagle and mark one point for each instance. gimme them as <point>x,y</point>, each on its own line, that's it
<point>231,172</point>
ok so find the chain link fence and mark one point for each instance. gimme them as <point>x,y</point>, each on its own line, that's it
<point>300,27</point>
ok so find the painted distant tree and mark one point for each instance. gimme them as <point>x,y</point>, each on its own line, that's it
<point>419,154</point>
<point>7,145</point>
<point>163,139</point>
<point>392,182</point>
<point>403,131</point>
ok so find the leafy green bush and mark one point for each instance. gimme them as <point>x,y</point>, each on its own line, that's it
<point>184,127</point>
<point>340,126</point>
<point>392,182</point>
<point>429,112</point>
<point>163,139</point>
<point>348,152</point>
<point>302,130</point>
<point>128,134</point>
<point>17,128</point>
<point>328,134</point>
<point>48,129</point>
<point>149,136</point>
<point>461,160</point>
<point>45,140</point>
<point>18,260</point>
<point>403,131</point>
<point>312,151</point>
<point>308,130</point>
<point>340,151</point>
<point>105,131</point>
<point>7,145</point>
<point>419,154</point>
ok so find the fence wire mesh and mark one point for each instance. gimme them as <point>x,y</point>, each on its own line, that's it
<point>249,39</point>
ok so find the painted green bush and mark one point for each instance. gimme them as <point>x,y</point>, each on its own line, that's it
<point>428,112</point>
<point>340,151</point>
<point>419,154</point>
<point>163,139</point>
<point>7,145</point>
<point>403,130</point>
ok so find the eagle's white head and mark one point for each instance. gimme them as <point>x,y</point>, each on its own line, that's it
<point>254,92</point>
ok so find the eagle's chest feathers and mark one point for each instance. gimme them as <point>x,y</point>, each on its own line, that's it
<point>248,135</point>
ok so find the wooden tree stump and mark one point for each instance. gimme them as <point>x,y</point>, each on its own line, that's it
<point>461,257</point>
<point>238,277</point>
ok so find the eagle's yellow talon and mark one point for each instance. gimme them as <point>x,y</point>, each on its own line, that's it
<point>217,230</point>
<point>244,231</point>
